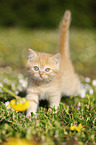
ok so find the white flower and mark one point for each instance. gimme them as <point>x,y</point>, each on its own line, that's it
<point>83,93</point>
<point>79,104</point>
<point>13,86</point>
<point>94,82</point>
<point>6,80</point>
<point>16,92</point>
<point>1,86</point>
<point>20,76</point>
<point>8,105</point>
<point>91,91</point>
<point>87,80</point>
<point>23,83</point>
<point>87,87</point>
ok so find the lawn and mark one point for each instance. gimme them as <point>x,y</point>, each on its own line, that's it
<point>14,44</point>
<point>75,120</point>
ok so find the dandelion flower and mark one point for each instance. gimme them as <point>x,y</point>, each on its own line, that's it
<point>73,127</point>
<point>18,141</point>
<point>20,104</point>
<point>77,128</point>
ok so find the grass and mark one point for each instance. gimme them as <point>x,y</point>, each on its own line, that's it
<point>14,44</point>
<point>50,127</point>
<point>53,128</point>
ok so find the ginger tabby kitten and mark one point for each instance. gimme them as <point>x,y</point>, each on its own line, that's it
<point>51,76</point>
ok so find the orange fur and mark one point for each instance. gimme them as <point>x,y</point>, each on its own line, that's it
<point>58,79</point>
<point>64,35</point>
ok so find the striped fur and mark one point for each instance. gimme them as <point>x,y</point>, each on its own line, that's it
<point>60,80</point>
<point>64,35</point>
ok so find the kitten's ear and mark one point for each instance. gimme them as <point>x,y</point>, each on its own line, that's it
<point>56,58</point>
<point>31,54</point>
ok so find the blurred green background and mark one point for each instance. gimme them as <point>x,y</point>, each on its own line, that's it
<point>35,24</point>
<point>47,13</point>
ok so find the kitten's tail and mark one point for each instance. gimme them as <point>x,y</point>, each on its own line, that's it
<point>64,35</point>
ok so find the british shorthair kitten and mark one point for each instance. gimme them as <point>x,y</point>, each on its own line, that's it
<point>51,76</point>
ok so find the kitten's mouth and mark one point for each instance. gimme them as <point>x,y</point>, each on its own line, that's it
<point>42,79</point>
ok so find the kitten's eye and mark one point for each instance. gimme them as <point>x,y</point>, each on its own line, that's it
<point>48,69</point>
<point>36,68</point>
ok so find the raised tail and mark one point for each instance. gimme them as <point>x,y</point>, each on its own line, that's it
<point>64,35</point>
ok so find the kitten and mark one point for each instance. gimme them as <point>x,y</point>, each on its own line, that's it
<point>51,76</point>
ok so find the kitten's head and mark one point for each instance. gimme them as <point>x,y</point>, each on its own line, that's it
<point>43,67</point>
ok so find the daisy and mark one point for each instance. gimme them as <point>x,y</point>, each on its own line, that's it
<point>8,105</point>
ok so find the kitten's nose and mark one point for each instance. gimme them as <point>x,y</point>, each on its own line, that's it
<point>40,73</point>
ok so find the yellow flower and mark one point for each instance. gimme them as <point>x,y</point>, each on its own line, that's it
<point>20,104</point>
<point>18,141</point>
<point>77,128</point>
<point>73,127</point>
